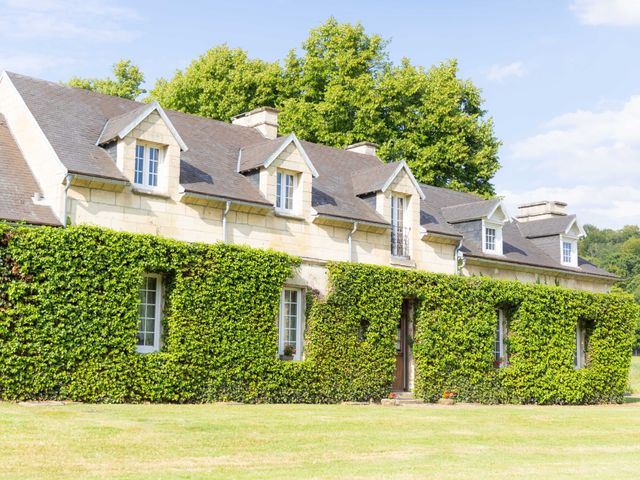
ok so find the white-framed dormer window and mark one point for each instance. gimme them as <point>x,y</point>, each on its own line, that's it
<point>285,186</point>
<point>499,344</point>
<point>150,313</point>
<point>569,251</point>
<point>147,165</point>
<point>290,324</point>
<point>491,238</point>
<point>399,232</point>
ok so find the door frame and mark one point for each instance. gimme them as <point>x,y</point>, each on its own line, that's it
<point>407,326</point>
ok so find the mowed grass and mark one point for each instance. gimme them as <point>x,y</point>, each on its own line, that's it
<point>324,441</point>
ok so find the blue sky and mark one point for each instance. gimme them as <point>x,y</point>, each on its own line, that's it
<point>560,78</point>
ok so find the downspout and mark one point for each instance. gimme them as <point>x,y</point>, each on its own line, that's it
<point>355,227</point>
<point>458,255</point>
<point>227,207</point>
<point>67,185</point>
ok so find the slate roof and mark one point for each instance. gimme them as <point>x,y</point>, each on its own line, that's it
<point>546,227</point>
<point>470,211</point>
<point>73,121</point>
<point>116,124</point>
<point>254,156</point>
<point>372,179</point>
<point>517,249</point>
<point>17,185</point>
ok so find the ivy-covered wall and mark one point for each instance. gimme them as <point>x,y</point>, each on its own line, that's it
<point>455,328</point>
<point>69,318</point>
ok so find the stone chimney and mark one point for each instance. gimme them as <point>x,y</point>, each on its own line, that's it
<point>368,148</point>
<point>541,210</point>
<point>263,119</point>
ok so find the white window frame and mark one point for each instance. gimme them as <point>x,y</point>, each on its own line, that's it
<point>299,322</point>
<point>158,317</point>
<point>574,250</point>
<point>500,354</point>
<point>497,227</point>
<point>281,192</point>
<point>146,184</point>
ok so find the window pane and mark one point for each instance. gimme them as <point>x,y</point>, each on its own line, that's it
<point>490,239</point>
<point>154,154</point>
<point>289,192</point>
<point>148,311</point>
<point>567,252</point>
<point>139,165</point>
<point>279,190</point>
<point>289,319</point>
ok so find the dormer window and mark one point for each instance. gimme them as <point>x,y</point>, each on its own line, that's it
<point>285,185</point>
<point>146,165</point>
<point>491,238</point>
<point>569,252</point>
<point>399,233</point>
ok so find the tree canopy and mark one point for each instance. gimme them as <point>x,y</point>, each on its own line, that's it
<point>617,251</point>
<point>126,84</point>
<point>341,88</point>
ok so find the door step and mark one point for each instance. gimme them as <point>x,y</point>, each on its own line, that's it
<point>402,398</point>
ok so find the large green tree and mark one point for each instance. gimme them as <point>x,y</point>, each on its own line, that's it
<point>219,84</point>
<point>341,88</point>
<point>617,251</point>
<point>126,84</point>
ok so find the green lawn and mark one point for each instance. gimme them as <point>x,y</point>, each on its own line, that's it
<point>306,441</point>
<point>634,376</point>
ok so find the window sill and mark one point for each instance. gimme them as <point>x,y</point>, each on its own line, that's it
<point>289,215</point>
<point>150,193</point>
<point>146,350</point>
<point>402,262</point>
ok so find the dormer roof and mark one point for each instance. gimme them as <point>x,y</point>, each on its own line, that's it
<point>263,153</point>
<point>380,177</point>
<point>482,209</point>
<point>119,126</point>
<point>547,227</point>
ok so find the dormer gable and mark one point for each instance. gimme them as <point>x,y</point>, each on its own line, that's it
<point>384,177</point>
<point>146,147</point>
<point>283,172</point>
<point>264,154</point>
<point>120,126</point>
<point>481,221</point>
<point>556,233</point>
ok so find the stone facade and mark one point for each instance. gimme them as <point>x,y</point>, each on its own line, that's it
<point>167,211</point>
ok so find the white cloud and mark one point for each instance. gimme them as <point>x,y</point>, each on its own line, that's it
<point>604,206</point>
<point>599,151</point>
<point>588,145</point>
<point>67,19</point>
<point>500,72</point>
<point>607,12</point>
<point>30,64</point>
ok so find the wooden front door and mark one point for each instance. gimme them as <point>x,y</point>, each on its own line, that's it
<point>400,381</point>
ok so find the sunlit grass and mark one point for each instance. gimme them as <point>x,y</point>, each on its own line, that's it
<point>308,441</point>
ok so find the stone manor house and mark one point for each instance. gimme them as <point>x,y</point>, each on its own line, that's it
<point>70,156</point>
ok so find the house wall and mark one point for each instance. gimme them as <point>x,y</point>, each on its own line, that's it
<point>167,213</point>
<point>530,275</point>
<point>36,149</point>
<point>170,215</point>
